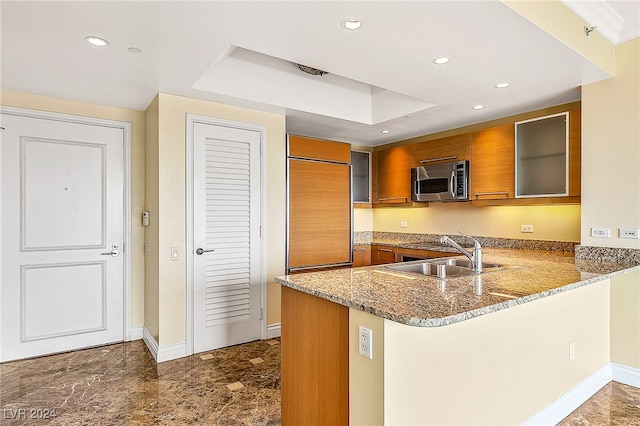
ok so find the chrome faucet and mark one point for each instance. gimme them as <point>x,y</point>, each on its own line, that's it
<point>475,257</point>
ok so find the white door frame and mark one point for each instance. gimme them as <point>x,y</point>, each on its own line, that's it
<point>192,119</point>
<point>126,131</point>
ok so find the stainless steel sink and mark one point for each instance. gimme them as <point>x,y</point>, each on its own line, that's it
<point>443,268</point>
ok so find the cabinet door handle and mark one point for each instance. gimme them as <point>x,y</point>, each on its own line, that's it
<point>392,198</point>
<point>431,160</point>
<point>481,194</point>
<point>386,250</point>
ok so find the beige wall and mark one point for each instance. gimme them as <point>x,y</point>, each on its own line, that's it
<point>625,319</point>
<point>611,151</point>
<point>172,201</point>
<point>366,376</point>
<point>137,120</point>
<point>362,220</point>
<point>558,223</point>
<point>500,368</point>
<point>151,289</point>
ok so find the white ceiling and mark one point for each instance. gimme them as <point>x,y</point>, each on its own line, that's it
<point>243,53</point>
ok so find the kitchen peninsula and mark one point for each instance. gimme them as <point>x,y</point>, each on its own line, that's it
<point>492,348</point>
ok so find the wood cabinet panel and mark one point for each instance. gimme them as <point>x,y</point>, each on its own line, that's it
<point>315,360</point>
<point>492,166</point>
<point>382,254</point>
<point>319,231</point>
<point>423,254</point>
<point>361,255</point>
<point>492,163</point>
<point>392,177</point>
<point>319,149</point>
<point>452,148</point>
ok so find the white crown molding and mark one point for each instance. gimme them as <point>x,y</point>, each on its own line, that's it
<point>600,14</point>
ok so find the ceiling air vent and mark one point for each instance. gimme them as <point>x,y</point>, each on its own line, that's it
<point>312,71</point>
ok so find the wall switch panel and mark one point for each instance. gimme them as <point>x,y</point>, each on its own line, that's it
<point>572,351</point>
<point>364,342</point>
<point>629,233</point>
<point>403,224</point>
<point>601,232</point>
<point>175,253</point>
<point>526,228</point>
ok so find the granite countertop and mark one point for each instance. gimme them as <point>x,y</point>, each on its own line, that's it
<point>431,302</point>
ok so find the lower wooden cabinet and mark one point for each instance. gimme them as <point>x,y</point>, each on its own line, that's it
<point>315,360</point>
<point>403,253</point>
<point>382,254</point>
<point>361,255</point>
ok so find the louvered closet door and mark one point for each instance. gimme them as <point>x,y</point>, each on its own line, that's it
<point>227,274</point>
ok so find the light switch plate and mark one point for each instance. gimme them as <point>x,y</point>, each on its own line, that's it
<point>175,253</point>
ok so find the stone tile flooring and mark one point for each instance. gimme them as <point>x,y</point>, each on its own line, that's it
<point>614,404</point>
<point>122,385</point>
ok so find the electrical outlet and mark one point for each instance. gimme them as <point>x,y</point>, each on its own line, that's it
<point>601,232</point>
<point>403,224</point>
<point>629,233</point>
<point>572,351</point>
<point>526,228</point>
<point>364,342</point>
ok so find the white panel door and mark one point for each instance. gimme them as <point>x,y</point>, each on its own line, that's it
<point>62,280</point>
<point>226,224</point>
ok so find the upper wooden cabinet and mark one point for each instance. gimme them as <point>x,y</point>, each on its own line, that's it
<point>493,172</point>
<point>361,175</point>
<point>452,148</point>
<point>492,158</point>
<point>392,177</point>
<point>318,149</point>
<point>492,163</point>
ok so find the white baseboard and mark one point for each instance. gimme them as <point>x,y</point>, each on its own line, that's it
<point>273,331</point>
<point>163,353</point>
<point>626,375</point>
<point>553,413</point>
<point>151,343</point>
<point>137,333</point>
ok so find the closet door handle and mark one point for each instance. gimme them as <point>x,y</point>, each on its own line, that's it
<point>201,251</point>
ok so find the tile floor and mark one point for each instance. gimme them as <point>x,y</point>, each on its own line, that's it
<point>122,385</point>
<point>614,404</point>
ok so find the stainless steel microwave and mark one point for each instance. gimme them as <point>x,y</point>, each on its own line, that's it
<point>441,182</point>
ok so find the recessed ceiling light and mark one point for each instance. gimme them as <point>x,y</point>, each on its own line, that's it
<point>478,107</point>
<point>352,24</point>
<point>502,85</point>
<point>134,50</point>
<point>442,60</point>
<point>97,41</point>
<point>385,131</point>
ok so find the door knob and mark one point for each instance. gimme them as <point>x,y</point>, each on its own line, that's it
<point>113,253</point>
<point>200,251</point>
